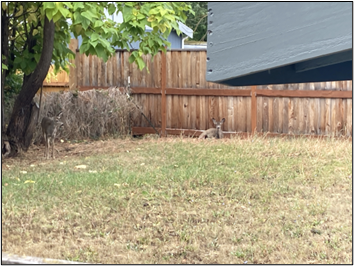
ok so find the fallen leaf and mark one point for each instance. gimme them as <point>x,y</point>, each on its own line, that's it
<point>81,166</point>
<point>29,181</point>
<point>23,172</point>
<point>94,171</point>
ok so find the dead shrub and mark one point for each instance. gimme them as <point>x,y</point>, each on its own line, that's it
<point>88,114</point>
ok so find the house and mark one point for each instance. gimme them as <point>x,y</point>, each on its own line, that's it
<point>177,41</point>
<point>256,43</point>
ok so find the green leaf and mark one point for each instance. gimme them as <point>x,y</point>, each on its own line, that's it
<point>140,16</point>
<point>101,52</point>
<point>84,47</point>
<point>57,16</point>
<point>17,60</point>
<point>23,64</point>
<point>77,29</point>
<point>50,14</point>
<point>78,5</point>
<point>64,11</point>
<point>31,65</point>
<point>111,9</point>
<point>95,37</point>
<point>132,58</point>
<point>48,5</point>
<point>98,23</point>
<point>127,11</point>
<point>85,23</point>
<point>87,15</point>
<point>140,62</point>
<point>153,11</point>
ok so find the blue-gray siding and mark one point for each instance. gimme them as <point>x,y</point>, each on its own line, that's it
<point>251,43</point>
<point>173,38</point>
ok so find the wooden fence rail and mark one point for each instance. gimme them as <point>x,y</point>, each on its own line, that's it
<point>176,97</point>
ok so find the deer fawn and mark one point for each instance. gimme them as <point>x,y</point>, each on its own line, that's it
<point>213,132</point>
<point>49,129</point>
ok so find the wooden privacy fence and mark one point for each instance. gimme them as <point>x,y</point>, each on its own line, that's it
<point>176,97</point>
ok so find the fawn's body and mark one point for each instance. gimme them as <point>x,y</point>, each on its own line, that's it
<point>214,132</point>
<point>49,129</point>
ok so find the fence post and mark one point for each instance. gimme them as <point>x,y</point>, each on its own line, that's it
<point>163,94</point>
<point>253,109</point>
<point>73,45</point>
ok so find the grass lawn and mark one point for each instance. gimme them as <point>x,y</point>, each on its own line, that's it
<point>179,200</point>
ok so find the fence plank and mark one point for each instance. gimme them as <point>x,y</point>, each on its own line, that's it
<point>248,114</point>
<point>275,115</point>
<point>115,74</point>
<point>169,107</point>
<point>242,111</point>
<point>253,109</point>
<point>270,115</point>
<point>183,84</point>
<point>265,118</point>
<point>73,45</point>
<point>286,115</point>
<point>193,110</point>
<point>291,116</point>
<point>301,112</point>
<point>349,125</point>
<point>236,117</point>
<point>339,118</point>
<point>230,114</point>
<point>126,71</point>
<point>203,103</point>
<point>259,113</point>
<point>280,114</point>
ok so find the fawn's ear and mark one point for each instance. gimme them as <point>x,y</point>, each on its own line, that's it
<point>223,120</point>
<point>214,121</point>
<point>59,115</point>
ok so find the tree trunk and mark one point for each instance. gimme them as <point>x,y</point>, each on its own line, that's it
<point>21,127</point>
<point>5,52</point>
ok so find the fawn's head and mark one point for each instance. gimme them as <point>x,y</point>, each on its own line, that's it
<point>218,124</point>
<point>57,121</point>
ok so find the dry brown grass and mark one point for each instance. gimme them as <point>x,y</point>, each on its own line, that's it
<point>182,201</point>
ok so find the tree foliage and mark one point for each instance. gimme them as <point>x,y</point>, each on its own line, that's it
<point>87,19</point>
<point>36,35</point>
<point>198,20</point>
